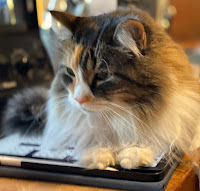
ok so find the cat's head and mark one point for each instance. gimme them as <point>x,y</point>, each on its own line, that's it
<point>107,60</point>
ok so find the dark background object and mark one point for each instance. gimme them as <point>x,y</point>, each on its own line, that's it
<point>148,5</point>
<point>23,59</point>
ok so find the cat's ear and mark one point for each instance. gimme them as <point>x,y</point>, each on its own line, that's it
<point>62,24</point>
<point>131,34</point>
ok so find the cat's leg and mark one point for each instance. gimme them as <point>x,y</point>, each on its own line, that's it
<point>132,157</point>
<point>98,158</point>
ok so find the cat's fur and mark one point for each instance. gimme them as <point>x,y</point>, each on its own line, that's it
<point>124,91</point>
<point>25,112</point>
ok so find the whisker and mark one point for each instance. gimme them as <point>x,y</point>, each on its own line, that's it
<point>122,127</point>
<point>106,64</point>
<point>114,104</point>
<point>141,122</point>
<point>110,124</point>
<point>131,125</point>
<point>62,96</point>
<point>129,112</point>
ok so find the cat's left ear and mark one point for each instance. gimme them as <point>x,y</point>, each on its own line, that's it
<point>66,20</point>
<point>131,34</point>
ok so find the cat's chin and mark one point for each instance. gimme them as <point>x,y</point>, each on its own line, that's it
<point>87,111</point>
<point>92,107</point>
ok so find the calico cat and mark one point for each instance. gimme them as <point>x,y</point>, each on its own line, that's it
<point>123,92</point>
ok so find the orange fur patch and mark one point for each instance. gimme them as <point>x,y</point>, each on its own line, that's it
<point>71,88</point>
<point>74,66</point>
<point>75,58</point>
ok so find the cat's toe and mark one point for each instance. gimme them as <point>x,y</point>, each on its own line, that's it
<point>126,163</point>
<point>133,157</point>
<point>98,158</point>
<point>101,166</point>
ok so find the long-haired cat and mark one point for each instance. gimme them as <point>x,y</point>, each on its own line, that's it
<point>123,93</point>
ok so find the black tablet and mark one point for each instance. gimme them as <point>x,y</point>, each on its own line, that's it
<point>19,155</point>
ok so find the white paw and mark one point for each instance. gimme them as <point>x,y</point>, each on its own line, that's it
<point>133,157</point>
<point>98,158</point>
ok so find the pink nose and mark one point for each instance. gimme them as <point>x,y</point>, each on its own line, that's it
<point>82,99</point>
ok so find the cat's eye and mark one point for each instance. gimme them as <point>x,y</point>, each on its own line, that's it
<point>102,76</point>
<point>66,79</point>
<point>70,72</point>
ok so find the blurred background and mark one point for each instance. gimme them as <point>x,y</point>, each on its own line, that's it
<point>25,51</point>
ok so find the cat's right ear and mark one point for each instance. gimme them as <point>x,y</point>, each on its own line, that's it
<point>62,24</point>
<point>131,34</point>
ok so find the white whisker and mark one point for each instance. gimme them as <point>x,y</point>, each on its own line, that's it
<point>113,125</point>
<point>154,138</point>
<point>122,127</point>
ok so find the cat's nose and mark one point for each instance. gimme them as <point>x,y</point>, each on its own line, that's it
<point>82,99</point>
<point>82,93</point>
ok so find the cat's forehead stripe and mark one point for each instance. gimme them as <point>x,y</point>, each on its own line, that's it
<point>84,59</point>
<point>77,54</point>
<point>87,59</point>
<point>92,52</point>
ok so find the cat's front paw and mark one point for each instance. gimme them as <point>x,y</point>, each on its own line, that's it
<point>98,158</point>
<point>133,157</point>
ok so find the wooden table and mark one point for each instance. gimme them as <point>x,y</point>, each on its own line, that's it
<point>183,179</point>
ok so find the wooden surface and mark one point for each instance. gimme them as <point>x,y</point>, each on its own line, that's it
<point>7,184</point>
<point>185,25</point>
<point>183,179</point>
